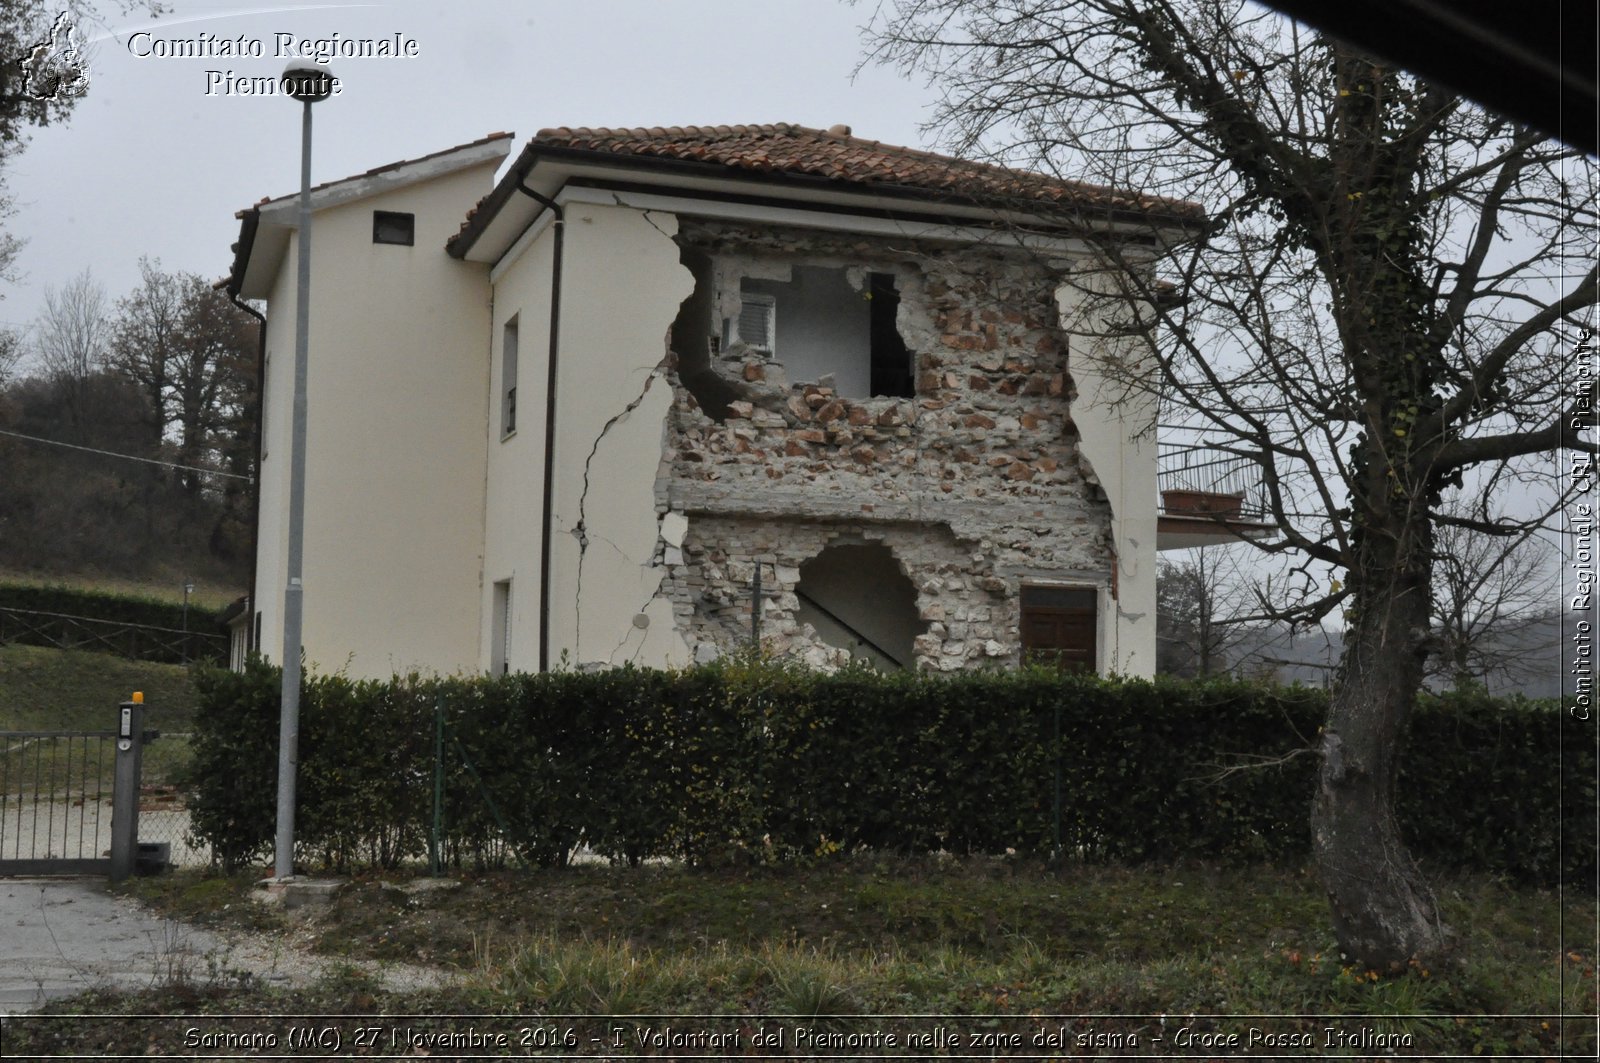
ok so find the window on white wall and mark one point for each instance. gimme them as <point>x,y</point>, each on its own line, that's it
<point>500,629</point>
<point>508,379</point>
<point>394,227</point>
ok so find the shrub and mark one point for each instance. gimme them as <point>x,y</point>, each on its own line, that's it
<point>740,758</point>
<point>232,773</point>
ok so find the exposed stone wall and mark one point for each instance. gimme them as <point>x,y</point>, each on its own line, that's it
<point>975,484</point>
<point>965,606</point>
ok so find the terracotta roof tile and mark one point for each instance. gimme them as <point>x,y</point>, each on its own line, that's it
<point>794,150</point>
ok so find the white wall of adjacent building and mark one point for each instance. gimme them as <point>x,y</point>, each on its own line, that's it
<point>395,447</point>
<point>513,526</point>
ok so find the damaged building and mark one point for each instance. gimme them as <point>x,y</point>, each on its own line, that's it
<point>667,393</point>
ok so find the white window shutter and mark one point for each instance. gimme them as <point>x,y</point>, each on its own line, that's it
<point>756,324</point>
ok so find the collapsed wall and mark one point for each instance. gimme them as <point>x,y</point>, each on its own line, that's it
<point>851,410</point>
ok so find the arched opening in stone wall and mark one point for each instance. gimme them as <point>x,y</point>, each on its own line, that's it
<point>857,598</point>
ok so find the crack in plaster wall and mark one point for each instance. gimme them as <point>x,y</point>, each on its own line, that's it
<point>580,530</point>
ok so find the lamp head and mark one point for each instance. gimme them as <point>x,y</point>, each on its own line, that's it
<point>307,80</point>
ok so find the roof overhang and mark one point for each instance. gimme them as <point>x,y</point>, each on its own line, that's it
<point>507,212</point>
<point>264,229</point>
<point>237,612</point>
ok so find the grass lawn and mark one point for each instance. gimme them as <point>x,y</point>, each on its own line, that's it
<point>43,689</point>
<point>208,593</point>
<point>832,945</point>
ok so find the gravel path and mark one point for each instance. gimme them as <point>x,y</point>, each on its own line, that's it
<point>61,936</point>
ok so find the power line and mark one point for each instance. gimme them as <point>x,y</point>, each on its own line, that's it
<point>125,457</point>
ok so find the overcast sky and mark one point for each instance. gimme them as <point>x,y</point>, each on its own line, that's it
<point>151,164</point>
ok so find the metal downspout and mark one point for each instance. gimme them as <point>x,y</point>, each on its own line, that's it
<point>549,419</point>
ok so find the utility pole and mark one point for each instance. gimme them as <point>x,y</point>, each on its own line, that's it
<point>308,82</point>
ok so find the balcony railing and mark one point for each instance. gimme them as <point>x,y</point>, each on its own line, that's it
<point>1196,481</point>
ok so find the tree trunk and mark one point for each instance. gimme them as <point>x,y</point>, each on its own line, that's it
<point>1384,914</point>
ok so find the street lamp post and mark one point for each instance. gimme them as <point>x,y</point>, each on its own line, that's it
<point>308,82</point>
<point>188,589</point>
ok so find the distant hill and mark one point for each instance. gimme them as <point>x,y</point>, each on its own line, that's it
<point>1542,654</point>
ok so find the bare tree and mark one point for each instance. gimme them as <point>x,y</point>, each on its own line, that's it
<point>24,25</point>
<point>191,354</point>
<point>144,338</point>
<point>1488,591</point>
<point>10,245</point>
<point>10,353</point>
<point>42,78</point>
<point>171,376</point>
<point>1389,296</point>
<point>72,336</point>
<point>1203,608</point>
<point>213,376</point>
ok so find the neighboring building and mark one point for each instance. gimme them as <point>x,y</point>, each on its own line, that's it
<point>654,368</point>
<point>236,620</point>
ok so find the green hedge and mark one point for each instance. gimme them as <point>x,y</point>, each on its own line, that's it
<point>112,624</point>
<point>1480,787</point>
<point>763,760</point>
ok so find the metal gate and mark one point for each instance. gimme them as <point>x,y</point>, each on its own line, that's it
<point>69,800</point>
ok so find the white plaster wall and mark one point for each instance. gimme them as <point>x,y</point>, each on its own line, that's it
<point>513,526</point>
<point>395,447</point>
<point>1116,427</point>
<point>622,286</point>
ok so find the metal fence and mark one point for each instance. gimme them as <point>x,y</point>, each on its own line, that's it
<point>55,800</point>
<point>57,804</point>
<point>139,642</point>
<point>163,813</point>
